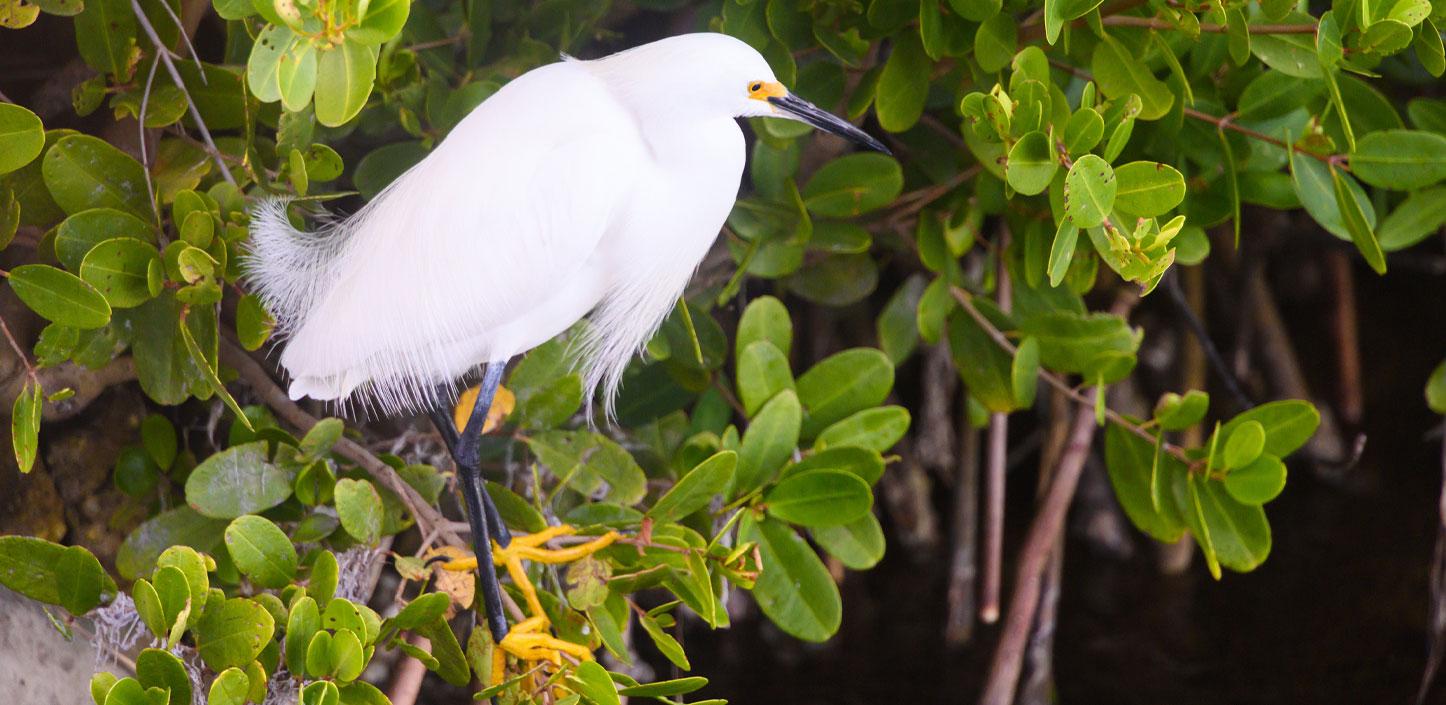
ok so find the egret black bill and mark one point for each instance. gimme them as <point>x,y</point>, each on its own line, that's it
<point>826,121</point>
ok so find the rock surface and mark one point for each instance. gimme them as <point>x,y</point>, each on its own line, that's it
<point>39,666</point>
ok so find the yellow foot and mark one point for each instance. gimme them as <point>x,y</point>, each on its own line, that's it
<point>530,640</point>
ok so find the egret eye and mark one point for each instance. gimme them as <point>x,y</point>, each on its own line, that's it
<point>755,86</point>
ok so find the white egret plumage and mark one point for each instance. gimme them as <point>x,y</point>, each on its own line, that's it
<point>581,188</point>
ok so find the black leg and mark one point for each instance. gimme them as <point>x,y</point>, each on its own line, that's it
<point>481,512</point>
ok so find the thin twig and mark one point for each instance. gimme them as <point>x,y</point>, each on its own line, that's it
<point>997,456</point>
<point>185,37</point>
<point>1212,353</point>
<point>165,56</point>
<point>19,352</point>
<point>141,140</point>
<point>1206,27</point>
<point>1347,335</point>
<point>1034,557</point>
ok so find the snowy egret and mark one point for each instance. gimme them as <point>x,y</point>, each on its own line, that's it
<point>581,187</point>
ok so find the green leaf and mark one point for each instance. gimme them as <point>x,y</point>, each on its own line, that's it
<point>873,429</point>
<point>424,609</point>
<point>261,551</point>
<point>1244,444</point>
<point>762,373</point>
<point>193,568</point>
<point>129,691</point>
<point>1291,54</point>
<point>48,572</point>
<point>859,544</point>
<point>995,42</point>
<point>179,526</point>
<point>344,82</point>
<point>156,668</point>
<point>274,45</point>
<point>853,185</point>
<point>1136,469</point>
<point>1288,424</point>
<point>866,463</point>
<point>158,436</point>
<point>1176,413</point>
<point>766,318</point>
<point>1089,191</point>
<point>320,693</point>
<point>105,32</point>
<point>22,136</point>
<point>382,21</point>
<point>1400,159</point>
<point>667,645</point>
<point>120,269</point>
<point>60,296</point>
<point>592,682</point>
<point>230,688</point>
<point>1314,185</point>
<point>205,362</point>
<point>1024,372</point>
<point>320,438</point>
<point>771,438</point>
<point>1355,221</point>
<point>237,481</point>
<point>1436,389</point>
<point>1258,482</point>
<point>794,589</point>
<point>296,77</point>
<point>984,366</point>
<point>301,625</point>
<point>837,280</point>
<point>321,585</point>
<point>898,323</point>
<point>84,172</point>
<point>148,607</point>
<point>384,164</point>
<point>1031,164</point>
<point>842,384</point>
<point>1087,344</point>
<point>363,693</point>
<point>25,425</point>
<point>1119,72</point>
<point>346,654</point>
<point>664,689</point>
<point>819,498</point>
<point>253,323</point>
<point>452,663</point>
<point>232,633</point>
<point>360,508</point>
<point>1415,219</point>
<point>1148,188</point>
<point>1061,251</point>
<point>1238,534</point>
<point>695,489</point>
<point>100,685</point>
<point>903,85</point>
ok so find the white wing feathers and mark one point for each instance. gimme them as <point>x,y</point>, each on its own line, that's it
<point>486,248</point>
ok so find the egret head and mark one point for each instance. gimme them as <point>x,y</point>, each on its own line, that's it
<point>715,74</point>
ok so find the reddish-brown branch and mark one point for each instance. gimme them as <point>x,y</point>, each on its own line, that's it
<point>1034,558</point>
